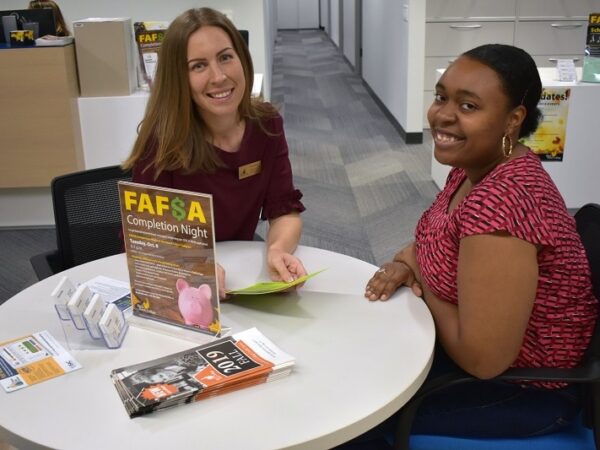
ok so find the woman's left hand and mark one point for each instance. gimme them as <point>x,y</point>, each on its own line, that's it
<point>389,278</point>
<point>284,266</point>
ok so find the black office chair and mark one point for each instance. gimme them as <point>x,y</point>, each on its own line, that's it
<point>588,374</point>
<point>88,219</point>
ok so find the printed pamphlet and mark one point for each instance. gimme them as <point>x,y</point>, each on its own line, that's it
<point>591,60</point>
<point>170,246</point>
<point>548,141</point>
<point>32,359</point>
<point>148,37</point>
<point>223,365</point>
<point>269,287</point>
<point>111,291</point>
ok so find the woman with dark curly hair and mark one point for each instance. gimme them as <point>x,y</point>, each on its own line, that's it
<point>497,257</point>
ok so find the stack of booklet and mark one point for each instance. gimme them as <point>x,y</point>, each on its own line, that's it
<point>225,364</point>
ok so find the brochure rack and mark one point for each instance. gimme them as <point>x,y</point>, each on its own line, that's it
<point>87,317</point>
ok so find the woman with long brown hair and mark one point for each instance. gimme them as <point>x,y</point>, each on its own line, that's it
<point>61,25</point>
<point>203,132</point>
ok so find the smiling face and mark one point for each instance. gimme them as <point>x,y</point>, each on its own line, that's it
<point>216,76</point>
<point>469,115</point>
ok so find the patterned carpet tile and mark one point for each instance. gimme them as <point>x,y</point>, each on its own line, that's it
<point>386,193</point>
<point>18,246</point>
<point>375,168</point>
<point>300,81</point>
<point>355,149</point>
<point>309,110</point>
<point>392,229</point>
<point>305,100</point>
<point>305,121</point>
<point>312,40</point>
<point>330,172</point>
<point>314,151</point>
<point>317,57</point>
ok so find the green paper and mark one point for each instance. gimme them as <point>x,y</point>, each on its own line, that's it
<point>268,287</point>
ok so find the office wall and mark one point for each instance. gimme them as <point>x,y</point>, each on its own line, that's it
<point>348,21</point>
<point>324,6</point>
<point>393,39</point>
<point>270,14</point>
<point>334,20</point>
<point>246,14</point>
<point>297,14</point>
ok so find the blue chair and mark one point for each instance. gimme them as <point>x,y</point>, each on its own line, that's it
<point>583,434</point>
<point>575,437</point>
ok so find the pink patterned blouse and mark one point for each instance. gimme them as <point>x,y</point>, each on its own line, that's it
<point>520,198</point>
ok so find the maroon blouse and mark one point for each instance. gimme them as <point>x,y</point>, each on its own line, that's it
<point>238,203</point>
<point>520,198</point>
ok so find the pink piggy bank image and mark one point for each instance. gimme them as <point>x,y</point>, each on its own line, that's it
<point>194,303</point>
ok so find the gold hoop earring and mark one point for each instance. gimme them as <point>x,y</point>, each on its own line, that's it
<point>506,152</point>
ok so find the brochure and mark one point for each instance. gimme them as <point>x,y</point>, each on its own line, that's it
<point>591,60</point>
<point>32,359</point>
<point>112,291</point>
<point>170,246</point>
<point>223,365</point>
<point>548,140</point>
<point>148,37</point>
<point>268,287</point>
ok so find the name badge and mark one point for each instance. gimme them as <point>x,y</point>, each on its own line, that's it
<point>249,170</point>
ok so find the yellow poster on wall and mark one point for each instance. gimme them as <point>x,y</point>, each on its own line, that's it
<point>548,141</point>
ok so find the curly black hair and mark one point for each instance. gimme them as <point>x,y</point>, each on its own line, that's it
<point>520,78</point>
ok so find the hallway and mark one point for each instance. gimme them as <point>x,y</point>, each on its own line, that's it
<point>364,188</point>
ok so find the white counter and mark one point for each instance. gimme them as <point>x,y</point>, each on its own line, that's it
<point>109,125</point>
<point>576,176</point>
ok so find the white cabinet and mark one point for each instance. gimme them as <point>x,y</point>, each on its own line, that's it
<point>460,9</point>
<point>557,9</point>
<point>552,38</point>
<point>547,29</point>
<point>453,38</point>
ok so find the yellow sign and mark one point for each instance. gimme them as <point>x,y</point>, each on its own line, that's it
<point>548,141</point>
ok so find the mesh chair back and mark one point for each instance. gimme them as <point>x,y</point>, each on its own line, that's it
<point>588,227</point>
<point>87,214</point>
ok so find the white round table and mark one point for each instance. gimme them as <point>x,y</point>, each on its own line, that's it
<point>357,362</point>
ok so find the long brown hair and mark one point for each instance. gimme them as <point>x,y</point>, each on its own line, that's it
<point>172,125</point>
<point>61,26</point>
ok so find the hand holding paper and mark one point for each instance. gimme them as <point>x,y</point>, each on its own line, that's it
<point>284,266</point>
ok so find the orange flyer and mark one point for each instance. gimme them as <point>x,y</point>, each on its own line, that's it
<point>32,359</point>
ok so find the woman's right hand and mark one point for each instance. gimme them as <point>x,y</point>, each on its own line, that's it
<point>389,278</point>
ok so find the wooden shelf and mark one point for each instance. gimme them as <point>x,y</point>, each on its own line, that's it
<point>40,135</point>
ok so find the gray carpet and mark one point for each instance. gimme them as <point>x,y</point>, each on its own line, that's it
<point>16,247</point>
<point>364,188</point>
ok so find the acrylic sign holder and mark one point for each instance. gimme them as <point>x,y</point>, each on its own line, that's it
<point>87,320</point>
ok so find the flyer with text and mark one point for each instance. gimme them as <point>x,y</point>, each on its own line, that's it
<point>548,141</point>
<point>32,359</point>
<point>170,246</point>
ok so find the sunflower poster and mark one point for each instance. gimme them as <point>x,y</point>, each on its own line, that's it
<point>548,141</point>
